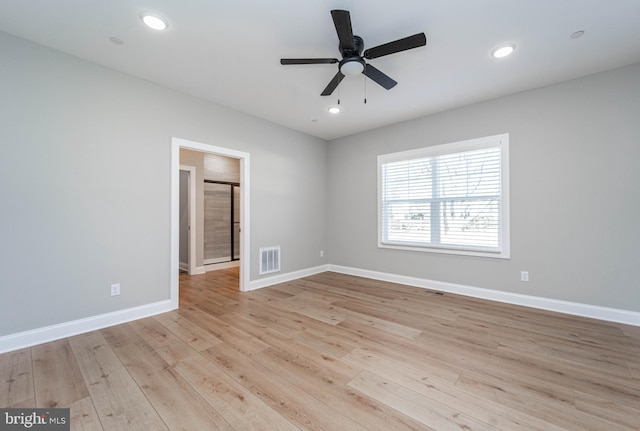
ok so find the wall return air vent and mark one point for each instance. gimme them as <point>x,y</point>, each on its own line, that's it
<point>269,259</point>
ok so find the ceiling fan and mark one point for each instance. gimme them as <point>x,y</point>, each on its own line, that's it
<point>351,47</point>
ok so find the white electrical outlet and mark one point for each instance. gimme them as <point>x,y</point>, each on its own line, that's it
<point>321,253</point>
<point>115,289</point>
<point>524,275</point>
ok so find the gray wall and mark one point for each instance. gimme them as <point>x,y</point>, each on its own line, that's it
<point>575,192</point>
<point>85,185</point>
<point>85,188</point>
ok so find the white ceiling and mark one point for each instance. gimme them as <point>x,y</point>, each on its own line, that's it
<point>228,51</point>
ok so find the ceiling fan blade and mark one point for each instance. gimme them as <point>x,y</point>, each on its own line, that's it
<point>287,61</point>
<point>399,45</point>
<point>333,84</point>
<point>379,77</point>
<point>342,21</point>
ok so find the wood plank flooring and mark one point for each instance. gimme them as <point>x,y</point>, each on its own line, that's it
<point>336,352</point>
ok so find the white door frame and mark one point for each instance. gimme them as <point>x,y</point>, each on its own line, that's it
<point>245,243</point>
<point>191,251</point>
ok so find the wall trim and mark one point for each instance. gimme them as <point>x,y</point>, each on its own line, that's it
<point>222,265</point>
<point>33,337</point>
<point>289,276</point>
<point>559,306</point>
<point>199,270</point>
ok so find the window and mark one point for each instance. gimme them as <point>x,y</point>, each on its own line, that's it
<point>451,198</point>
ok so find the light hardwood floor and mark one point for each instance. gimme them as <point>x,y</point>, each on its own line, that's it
<point>336,352</point>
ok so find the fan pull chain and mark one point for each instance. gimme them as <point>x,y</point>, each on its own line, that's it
<point>365,88</point>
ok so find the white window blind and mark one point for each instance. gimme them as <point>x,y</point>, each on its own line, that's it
<point>448,198</point>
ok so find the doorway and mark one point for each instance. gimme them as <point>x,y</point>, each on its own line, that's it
<point>243,225</point>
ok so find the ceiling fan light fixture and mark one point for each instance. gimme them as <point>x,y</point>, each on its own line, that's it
<point>352,68</point>
<point>503,51</point>
<point>154,21</point>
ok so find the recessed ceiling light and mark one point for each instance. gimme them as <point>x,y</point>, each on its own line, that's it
<point>154,21</point>
<point>334,109</point>
<point>116,40</point>
<point>503,51</point>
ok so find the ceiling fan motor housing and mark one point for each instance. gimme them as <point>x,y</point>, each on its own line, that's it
<point>358,47</point>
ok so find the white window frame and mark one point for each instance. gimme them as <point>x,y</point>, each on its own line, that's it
<point>502,140</point>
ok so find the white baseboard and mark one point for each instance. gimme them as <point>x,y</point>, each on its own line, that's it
<point>575,308</point>
<point>217,260</point>
<point>33,337</point>
<point>283,278</point>
<point>221,265</point>
<point>197,269</point>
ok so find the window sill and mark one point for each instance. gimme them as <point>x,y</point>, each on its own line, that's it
<point>498,254</point>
